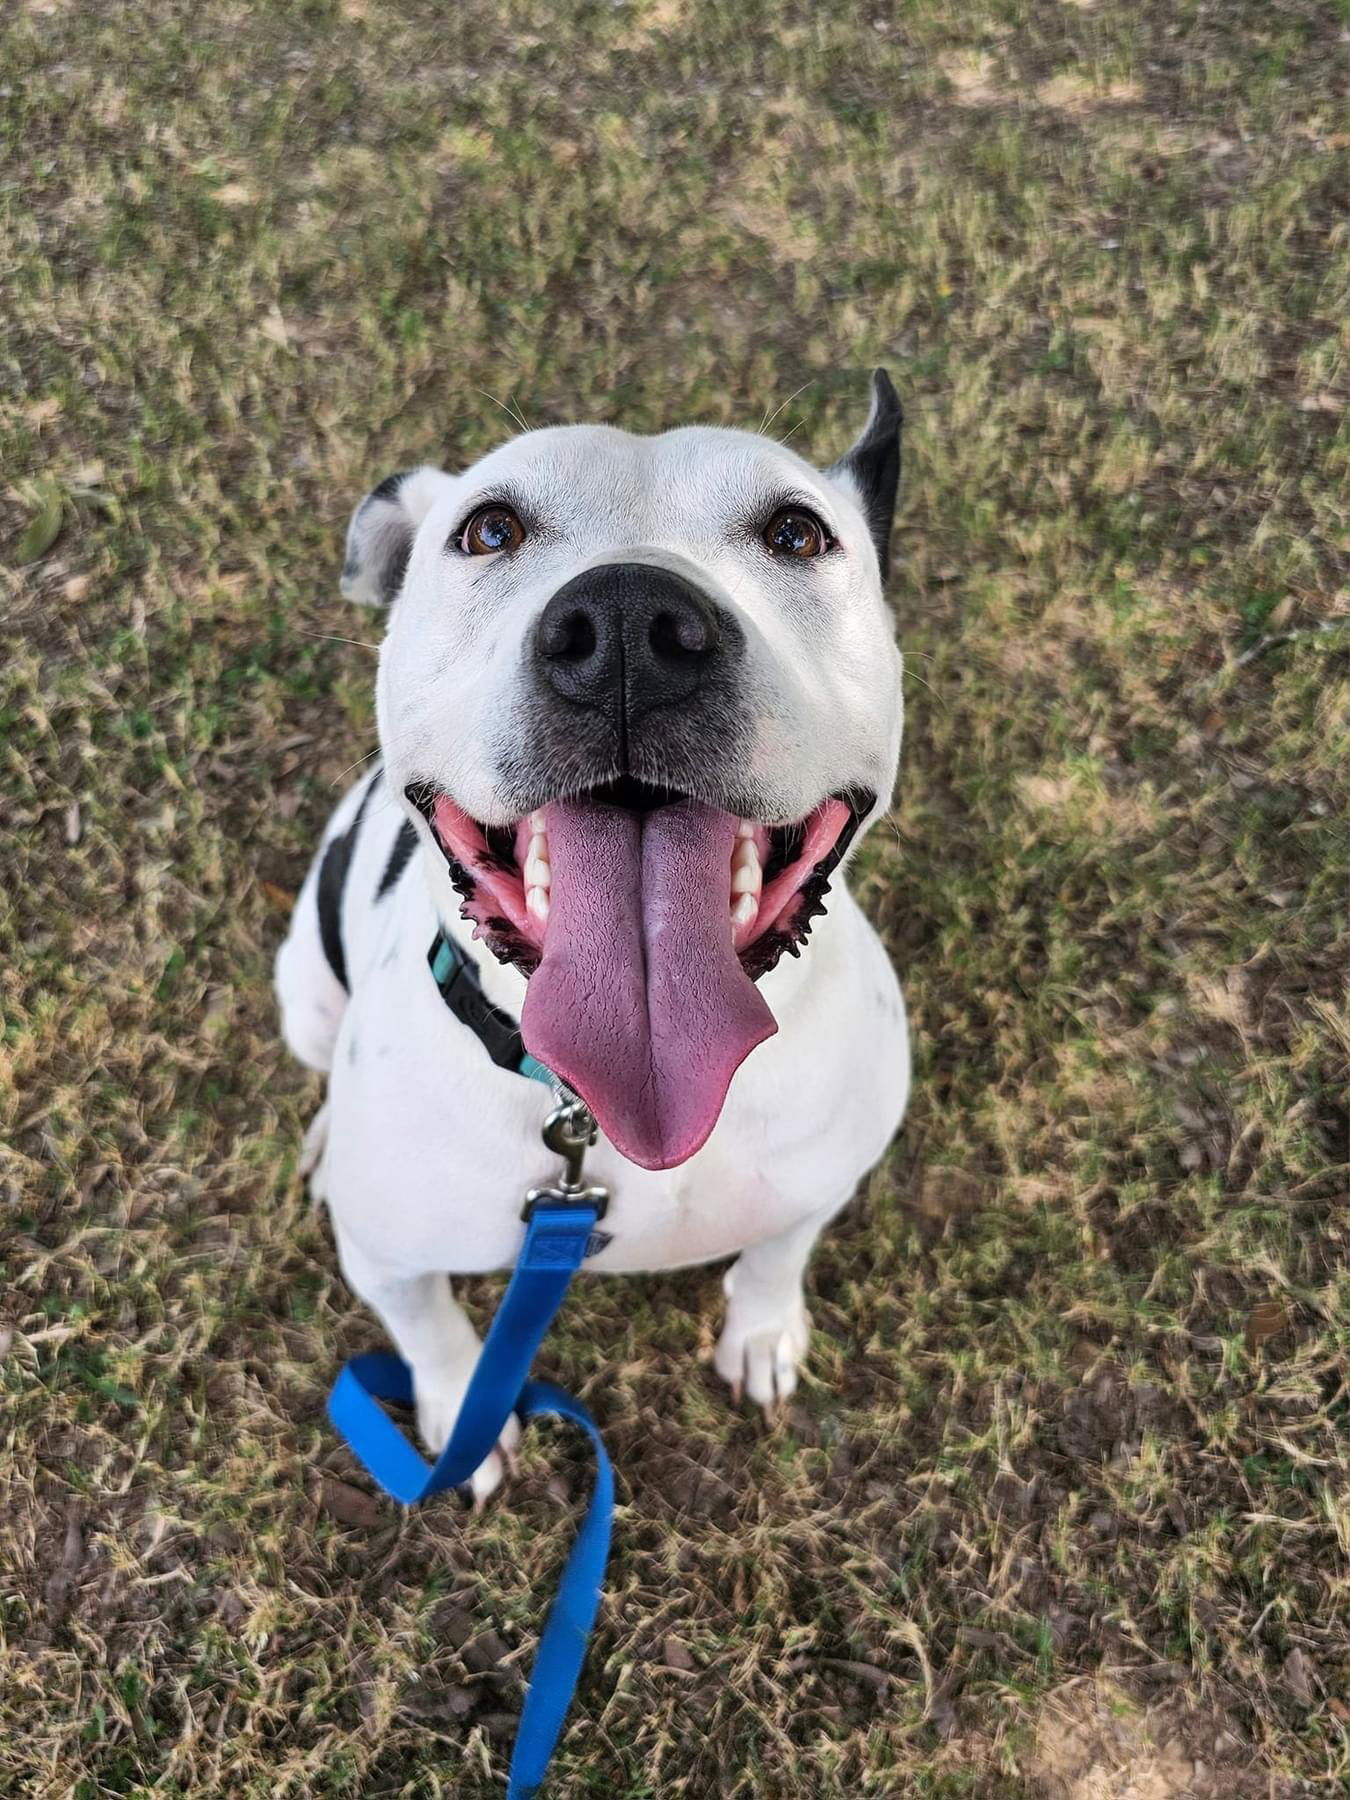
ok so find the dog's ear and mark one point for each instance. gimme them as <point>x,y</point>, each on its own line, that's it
<point>872,467</point>
<point>380,536</point>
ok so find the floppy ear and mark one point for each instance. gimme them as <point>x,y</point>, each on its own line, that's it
<point>872,467</point>
<point>381,533</point>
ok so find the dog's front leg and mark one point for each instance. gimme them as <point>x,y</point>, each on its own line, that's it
<point>767,1327</point>
<point>434,1337</point>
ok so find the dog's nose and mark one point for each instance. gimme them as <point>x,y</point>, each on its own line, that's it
<point>629,637</point>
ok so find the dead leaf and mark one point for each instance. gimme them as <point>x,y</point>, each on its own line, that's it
<point>275,328</point>
<point>235,193</point>
<point>675,1656</point>
<point>1300,1676</point>
<point>44,527</point>
<point>62,1577</point>
<point>949,1193</point>
<point>282,898</point>
<point>349,1505</point>
<point>1264,1322</point>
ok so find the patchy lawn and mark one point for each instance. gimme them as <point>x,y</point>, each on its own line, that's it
<point>1064,1506</point>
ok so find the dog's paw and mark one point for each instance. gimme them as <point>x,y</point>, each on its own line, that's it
<point>759,1355</point>
<point>438,1407</point>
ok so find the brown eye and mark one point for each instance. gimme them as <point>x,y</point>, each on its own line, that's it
<point>490,530</point>
<point>793,532</point>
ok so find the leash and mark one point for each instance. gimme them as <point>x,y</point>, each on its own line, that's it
<point>561,1220</point>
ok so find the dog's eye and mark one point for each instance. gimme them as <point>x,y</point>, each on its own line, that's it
<point>491,530</point>
<point>793,532</point>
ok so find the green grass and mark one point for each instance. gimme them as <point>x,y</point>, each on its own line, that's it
<point>1059,1499</point>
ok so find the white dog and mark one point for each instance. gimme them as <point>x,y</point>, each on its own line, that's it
<point>637,699</point>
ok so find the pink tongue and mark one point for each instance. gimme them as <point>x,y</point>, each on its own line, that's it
<point>640,1002</point>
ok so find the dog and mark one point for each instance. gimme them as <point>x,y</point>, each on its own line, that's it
<point>638,700</point>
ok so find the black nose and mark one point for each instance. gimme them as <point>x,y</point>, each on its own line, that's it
<point>630,637</point>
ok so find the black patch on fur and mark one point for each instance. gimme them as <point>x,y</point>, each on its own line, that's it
<point>333,871</point>
<point>388,488</point>
<point>394,571</point>
<point>399,858</point>
<point>874,464</point>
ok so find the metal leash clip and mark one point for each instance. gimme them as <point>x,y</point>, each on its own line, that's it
<point>570,1130</point>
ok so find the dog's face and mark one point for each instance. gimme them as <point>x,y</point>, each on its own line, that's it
<point>640,693</point>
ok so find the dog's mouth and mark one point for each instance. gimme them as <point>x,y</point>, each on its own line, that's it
<point>643,917</point>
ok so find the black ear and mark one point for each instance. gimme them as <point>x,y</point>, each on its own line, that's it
<point>872,466</point>
<point>380,535</point>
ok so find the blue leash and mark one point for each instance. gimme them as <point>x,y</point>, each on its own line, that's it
<point>561,1232</point>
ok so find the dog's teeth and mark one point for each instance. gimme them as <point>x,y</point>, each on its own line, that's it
<point>746,829</point>
<point>743,912</point>
<point>536,903</point>
<point>537,872</point>
<point>537,824</point>
<point>746,875</point>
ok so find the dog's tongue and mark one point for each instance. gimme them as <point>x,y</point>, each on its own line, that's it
<point>640,1002</point>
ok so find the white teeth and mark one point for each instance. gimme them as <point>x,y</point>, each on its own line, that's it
<point>746,875</point>
<point>744,911</point>
<point>747,878</point>
<point>537,873</point>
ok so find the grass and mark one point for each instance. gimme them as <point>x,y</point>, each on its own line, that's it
<point>1067,1493</point>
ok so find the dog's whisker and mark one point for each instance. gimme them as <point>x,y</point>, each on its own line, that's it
<point>512,412</point>
<point>788,402</point>
<point>356,765</point>
<point>334,638</point>
<point>924,684</point>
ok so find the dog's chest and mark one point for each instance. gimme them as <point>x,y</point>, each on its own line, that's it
<point>433,1174</point>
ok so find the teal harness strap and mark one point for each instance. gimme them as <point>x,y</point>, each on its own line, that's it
<point>560,1233</point>
<point>457,979</point>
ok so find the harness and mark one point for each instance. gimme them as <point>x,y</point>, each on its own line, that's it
<point>560,1233</point>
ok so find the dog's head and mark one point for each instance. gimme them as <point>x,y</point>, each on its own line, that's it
<point>640,694</point>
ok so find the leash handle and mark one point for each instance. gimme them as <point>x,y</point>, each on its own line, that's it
<point>556,1242</point>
